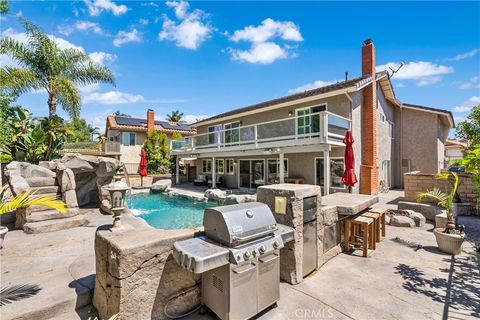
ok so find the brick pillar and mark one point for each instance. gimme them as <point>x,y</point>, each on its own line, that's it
<point>369,166</point>
<point>150,120</point>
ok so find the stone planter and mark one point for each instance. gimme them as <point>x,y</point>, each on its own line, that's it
<point>3,233</point>
<point>448,243</point>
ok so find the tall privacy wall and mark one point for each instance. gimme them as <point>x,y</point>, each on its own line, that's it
<point>417,181</point>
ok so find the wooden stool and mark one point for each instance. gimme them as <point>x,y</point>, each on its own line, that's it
<point>376,224</point>
<point>360,231</point>
<point>382,214</point>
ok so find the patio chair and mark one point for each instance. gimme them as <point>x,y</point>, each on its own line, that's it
<point>201,180</point>
<point>218,183</point>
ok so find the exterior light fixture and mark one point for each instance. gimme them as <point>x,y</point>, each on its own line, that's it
<point>117,192</point>
<point>290,113</point>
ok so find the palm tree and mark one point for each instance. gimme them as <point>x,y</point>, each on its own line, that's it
<point>44,66</point>
<point>176,116</point>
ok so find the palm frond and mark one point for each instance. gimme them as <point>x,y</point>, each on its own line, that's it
<point>19,80</point>
<point>91,73</point>
<point>68,97</point>
<point>17,292</point>
<point>17,50</point>
<point>28,198</point>
<point>436,194</point>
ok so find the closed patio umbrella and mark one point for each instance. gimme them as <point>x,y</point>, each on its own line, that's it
<point>142,168</point>
<point>349,178</point>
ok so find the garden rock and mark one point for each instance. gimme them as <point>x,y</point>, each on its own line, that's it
<point>417,217</point>
<point>402,221</point>
<point>215,194</point>
<point>235,199</point>
<point>160,185</point>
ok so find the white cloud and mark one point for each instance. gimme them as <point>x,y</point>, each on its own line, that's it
<point>267,30</point>
<point>101,57</point>
<point>96,7</point>
<point>467,105</point>
<point>112,97</point>
<point>473,83</point>
<point>88,26</point>
<point>149,4</point>
<point>124,37</point>
<point>191,30</point>
<point>143,22</point>
<point>312,85</point>
<point>400,85</point>
<point>424,72</point>
<point>263,49</point>
<point>192,118</point>
<point>465,55</point>
<point>64,29</point>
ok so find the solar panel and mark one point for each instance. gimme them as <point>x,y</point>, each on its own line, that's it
<point>127,121</point>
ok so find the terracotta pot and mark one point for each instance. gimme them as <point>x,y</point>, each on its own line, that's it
<point>448,243</point>
<point>3,233</point>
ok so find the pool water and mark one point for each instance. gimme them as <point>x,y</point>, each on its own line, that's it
<point>168,212</point>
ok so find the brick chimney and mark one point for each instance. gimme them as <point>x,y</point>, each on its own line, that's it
<point>150,120</point>
<point>369,166</point>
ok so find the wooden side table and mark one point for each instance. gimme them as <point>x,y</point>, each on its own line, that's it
<point>360,231</point>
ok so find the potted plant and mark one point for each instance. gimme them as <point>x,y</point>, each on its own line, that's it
<point>450,239</point>
<point>25,199</point>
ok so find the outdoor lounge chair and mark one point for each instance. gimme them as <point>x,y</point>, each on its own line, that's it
<point>200,181</point>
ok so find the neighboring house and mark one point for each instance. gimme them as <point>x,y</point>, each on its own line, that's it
<point>454,150</point>
<point>126,135</point>
<point>299,137</point>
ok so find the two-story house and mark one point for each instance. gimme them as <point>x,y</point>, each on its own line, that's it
<point>298,138</point>
<point>126,135</point>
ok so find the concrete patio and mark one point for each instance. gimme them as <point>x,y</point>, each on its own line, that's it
<point>405,278</point>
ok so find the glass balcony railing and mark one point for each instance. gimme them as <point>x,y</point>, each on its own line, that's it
<point>322,127</point>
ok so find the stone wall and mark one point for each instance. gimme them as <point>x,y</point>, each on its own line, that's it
<point>136,275</point>
<point>136,181</point>
<point>416,182</point>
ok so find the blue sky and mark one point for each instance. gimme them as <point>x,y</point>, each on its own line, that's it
<point>204,58</point>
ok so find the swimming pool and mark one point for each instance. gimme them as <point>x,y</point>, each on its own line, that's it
<point>168,212</point>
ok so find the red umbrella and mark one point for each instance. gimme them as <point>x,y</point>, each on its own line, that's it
<point>142,168</point>
<point>349,178</point>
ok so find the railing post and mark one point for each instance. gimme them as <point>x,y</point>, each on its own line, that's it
<point>255,136</point>
<point>325,127</point>
<point>191,142</point>
<point>219,140</point>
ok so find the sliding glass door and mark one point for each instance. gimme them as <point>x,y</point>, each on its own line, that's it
<point>251,173</point>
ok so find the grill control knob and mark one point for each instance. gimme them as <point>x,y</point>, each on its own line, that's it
<point>262,249</point>
<point>254,252</point>
<point>276,244</point>
<point>246,255</point>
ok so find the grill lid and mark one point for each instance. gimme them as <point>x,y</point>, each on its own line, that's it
<point>239,223</point>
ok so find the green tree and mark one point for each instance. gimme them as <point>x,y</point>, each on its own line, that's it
<point>176,116</point>
<point>119,113</point>
<point>4,9</point>
<point>44,66</point>
<point>158,152</point>
<point>81,131</point>
<point>469,129</point>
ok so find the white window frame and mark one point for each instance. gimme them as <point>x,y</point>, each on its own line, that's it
<point>315,172</point>
<point>310,113</point>
<point>205,165</point>
<point>391,130</point>
<point>227,167</point>
<point>217,161</point>
<point>217,130</point>
<point>231,129</point>
<point>129,137</point>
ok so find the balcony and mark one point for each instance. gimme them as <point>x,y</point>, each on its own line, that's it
<point>314,128</point>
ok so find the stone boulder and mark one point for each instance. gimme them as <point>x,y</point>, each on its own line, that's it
<point>417,217</point>
<point>20,173</point>
<point>402,221</point>
<point>161,185</point>
<point>215,194</point>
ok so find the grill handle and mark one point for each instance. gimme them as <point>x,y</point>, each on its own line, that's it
<point>252,266</point>
<point>256,235</point>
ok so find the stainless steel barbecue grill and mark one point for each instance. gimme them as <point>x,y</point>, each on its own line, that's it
<point>238,258</point>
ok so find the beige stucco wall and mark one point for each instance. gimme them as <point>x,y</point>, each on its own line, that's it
<point>339,105</point>
<point>420,140</point>
<point>385,143</point>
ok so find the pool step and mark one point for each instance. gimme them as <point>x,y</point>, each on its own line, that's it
<point>55,224</point>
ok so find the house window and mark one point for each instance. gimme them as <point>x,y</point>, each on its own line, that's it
<point>219,166</point>
<point>308,119</point>
<point>232,132</point>
<point>229,166</point>
<point>273,167</point>
<point>128,139</point>
<point>382,117</point>
<point>390,130</point>
<point>214,132</point>
<point>207,166</point>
